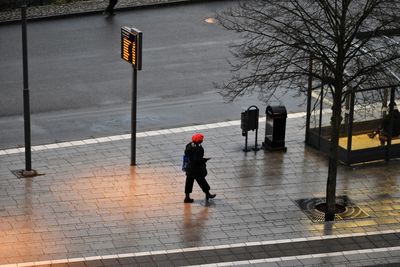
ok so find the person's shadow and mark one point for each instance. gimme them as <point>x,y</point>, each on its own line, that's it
<point>193,225</point>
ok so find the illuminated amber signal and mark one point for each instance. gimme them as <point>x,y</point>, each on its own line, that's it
<point>133,60</point>
<point>126,49</point>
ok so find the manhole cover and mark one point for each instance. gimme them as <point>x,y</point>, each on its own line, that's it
<point>346,209</point>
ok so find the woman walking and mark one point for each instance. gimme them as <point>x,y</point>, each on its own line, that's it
<point>196,168</point>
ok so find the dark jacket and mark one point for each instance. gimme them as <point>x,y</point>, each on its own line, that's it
<point>197,163</point>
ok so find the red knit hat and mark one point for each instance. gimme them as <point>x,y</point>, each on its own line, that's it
<point>197,138</point>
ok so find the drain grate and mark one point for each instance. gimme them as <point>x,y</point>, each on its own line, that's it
<point>19,174</point>
<point>352,211</point>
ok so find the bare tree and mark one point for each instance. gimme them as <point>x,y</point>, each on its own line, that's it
<point>280,36</point>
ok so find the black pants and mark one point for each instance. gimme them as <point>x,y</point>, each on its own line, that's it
<point>200,180</point>
<point>111,5</point>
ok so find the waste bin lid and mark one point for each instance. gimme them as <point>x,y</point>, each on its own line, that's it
<point>276,111</point>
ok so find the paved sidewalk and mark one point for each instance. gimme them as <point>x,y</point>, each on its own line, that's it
<point>87,7</point>
<point>90,208</point>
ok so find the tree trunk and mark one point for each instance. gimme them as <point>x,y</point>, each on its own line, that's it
<point>333,157</point>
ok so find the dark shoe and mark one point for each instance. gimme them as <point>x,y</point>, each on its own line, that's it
<point>208,196</point>
<point>188,200</point>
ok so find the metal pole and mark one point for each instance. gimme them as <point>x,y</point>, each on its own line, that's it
<point>309,91</point>
<point>27,119</point>
<point>321,107</point>
<point>350,127</point>
<point>255,146</point>
<point>390,130</point>
<point>133,116</point>
<point>346,113</point>
<point>245,142</point>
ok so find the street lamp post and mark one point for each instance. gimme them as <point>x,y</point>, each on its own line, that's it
<point>131,51</point>
<point>133,116</point>
<point>27,120</point>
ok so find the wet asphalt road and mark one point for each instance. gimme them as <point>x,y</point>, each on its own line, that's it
<point>81,88</point>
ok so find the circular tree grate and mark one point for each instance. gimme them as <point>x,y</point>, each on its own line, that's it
<point>346,209</point>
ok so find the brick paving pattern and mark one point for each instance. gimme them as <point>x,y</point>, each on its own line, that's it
<point>90,202</point>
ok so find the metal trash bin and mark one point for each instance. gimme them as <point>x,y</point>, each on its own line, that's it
<point>275,128</point>
<point>249,122</point>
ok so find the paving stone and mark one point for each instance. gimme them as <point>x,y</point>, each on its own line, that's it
<point>312,261</point>
<point>378,255</point>
<point>96,263</point>
<point>357,257</point>
<point>267,264</point>
<point>60,265</point>
<point>76,264</point>
<point>290,263</point>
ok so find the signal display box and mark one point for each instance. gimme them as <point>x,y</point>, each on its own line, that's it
<point>131,46</point>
